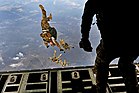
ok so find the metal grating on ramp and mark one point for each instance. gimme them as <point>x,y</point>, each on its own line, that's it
<point>30,82</point>
<point>73,80</point>
<point>64,80</point>
<point>115,80</point>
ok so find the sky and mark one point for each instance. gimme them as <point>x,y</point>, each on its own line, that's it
<point>21,47</point>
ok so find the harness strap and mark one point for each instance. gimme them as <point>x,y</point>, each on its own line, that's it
<point>47,30</point>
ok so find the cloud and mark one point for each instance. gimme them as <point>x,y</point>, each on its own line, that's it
<point>15,58</point>
<point>34,12</point>
<point>5,8</point>
<point>25,46</point>
<point>10,7</point>
<point>20,10</point>
<point>1,59</point>
<point>2,27</point>
<point>54,2</point>
<point>16,65</point>
<point>18,56</point>
<point>36,0</point>
<point>71,3</point>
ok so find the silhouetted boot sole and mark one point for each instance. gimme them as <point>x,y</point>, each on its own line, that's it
<point>86,48</point>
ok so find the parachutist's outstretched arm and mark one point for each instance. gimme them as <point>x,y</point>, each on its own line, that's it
<point>44,22</point>
<point>43,12</point>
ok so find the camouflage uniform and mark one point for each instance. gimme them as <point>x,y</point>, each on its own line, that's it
<point>117,39</point>
<point>49,34</point>
<point>53,32</point>
<point>125,64</point>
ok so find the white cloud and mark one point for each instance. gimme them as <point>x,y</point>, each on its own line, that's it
<point>20,10</point>
<point>54,2</point>
<point>2,27</point>
<point>1,44</point>
<point>34,12</point>
<point>1,59</point>
<point>16,65</point>
<point>15,58</point>
<point>25,46</point>
<point>20,54</point>
<point>71,3</point>
<point>5,8</point>
<point>34,0</point>
<point>10,7</point>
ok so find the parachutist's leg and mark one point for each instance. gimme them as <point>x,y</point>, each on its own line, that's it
<point>72,46</point>
<point>46,44</point>
<point>102,62</point>
<point>59,56</point>
<point>54,53</point>
<point>56,43</point>
<point>128,72</point>
<point>53,40</point>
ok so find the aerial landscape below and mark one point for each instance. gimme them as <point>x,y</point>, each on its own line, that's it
<point>22,48</point>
